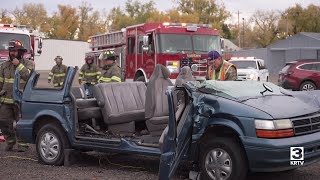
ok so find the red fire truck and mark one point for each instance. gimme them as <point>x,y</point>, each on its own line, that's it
<point>141,47</point>
<point>21,33</point>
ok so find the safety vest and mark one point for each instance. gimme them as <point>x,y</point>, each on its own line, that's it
<point>222,73</point>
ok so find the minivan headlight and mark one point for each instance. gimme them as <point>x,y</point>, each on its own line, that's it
<point>274,129</point>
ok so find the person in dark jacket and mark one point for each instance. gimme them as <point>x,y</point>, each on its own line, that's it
<point>220,69</point>
<point>9,112</point>
<point>111,71</point>
<point>58,72</point>
<point>89,74</point>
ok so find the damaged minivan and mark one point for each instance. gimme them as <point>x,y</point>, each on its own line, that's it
<point>225,128</point>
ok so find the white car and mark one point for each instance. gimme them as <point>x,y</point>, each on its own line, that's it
<point>250,68</point>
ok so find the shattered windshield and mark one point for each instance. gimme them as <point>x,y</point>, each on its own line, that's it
<point>240,90</point>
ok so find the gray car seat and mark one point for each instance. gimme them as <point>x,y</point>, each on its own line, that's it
<point>184,76</point>
<point>156,106</point>
<point>86,108</point>
<point>122,104</point>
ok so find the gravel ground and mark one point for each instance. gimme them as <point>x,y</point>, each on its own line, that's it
<point>93,166</point>
<point>96,166</point>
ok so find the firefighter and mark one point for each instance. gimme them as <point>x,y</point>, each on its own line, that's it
<point>9,111</point>
<point>89,74</point>
<point>58,72</point>
<point>220,69</point>
<point>111,71</point>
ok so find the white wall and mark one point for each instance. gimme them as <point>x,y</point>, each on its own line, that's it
<point>72,52</point>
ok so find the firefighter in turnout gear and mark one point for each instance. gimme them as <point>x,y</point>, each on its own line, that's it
<point>220,69</point>
<point>9,111</point>
<point>89,75</point>
<point>58,72</point>
<point>111,71</point>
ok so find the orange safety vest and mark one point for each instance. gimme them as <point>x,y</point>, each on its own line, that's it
<point>223,71</point>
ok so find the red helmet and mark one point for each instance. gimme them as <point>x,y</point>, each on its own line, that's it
<point>16,45</point>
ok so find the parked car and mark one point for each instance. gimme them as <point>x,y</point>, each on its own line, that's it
<point>226,128</point>
<point>303,75</point>
<point>250,68</point>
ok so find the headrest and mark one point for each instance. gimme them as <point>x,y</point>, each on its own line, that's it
<point>184,76</point>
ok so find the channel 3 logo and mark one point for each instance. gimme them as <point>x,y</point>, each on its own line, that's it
<point>296,156</point>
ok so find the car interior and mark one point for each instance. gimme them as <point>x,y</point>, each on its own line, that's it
<point>131,110</point>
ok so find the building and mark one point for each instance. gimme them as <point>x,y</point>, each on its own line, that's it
<point>304,45</point>
<point>72,52</point>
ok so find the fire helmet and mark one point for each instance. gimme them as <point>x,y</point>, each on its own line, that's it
<point>107,55</point>
<point>16,45</point>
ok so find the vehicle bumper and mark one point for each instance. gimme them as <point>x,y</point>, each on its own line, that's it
<point>270,155</point>
<point>24,131</point>
<point>287,84</point>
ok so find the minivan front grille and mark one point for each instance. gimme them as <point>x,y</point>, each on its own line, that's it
<point>306,124</point>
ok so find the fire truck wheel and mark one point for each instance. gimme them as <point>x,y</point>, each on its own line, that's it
<point>50,144</point>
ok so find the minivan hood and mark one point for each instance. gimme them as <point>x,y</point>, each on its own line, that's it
<point>280,107</point>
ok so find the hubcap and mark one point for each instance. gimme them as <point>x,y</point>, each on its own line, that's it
<point>218,164</point>
<point>308,87</point>
<point>49,146</point>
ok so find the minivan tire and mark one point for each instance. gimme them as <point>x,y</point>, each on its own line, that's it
<point>51,142</point>
<point>229,156</point>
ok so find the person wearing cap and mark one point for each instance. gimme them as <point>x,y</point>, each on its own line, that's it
<point>220,69</point>
<point>111,70</point>
<point>89,74</point>
<point>58,72</point>
<point>9,112</point>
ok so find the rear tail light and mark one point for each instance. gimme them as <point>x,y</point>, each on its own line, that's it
<point>288,73</point>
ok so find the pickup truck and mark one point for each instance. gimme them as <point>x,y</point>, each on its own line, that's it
<point>250,68</point>
<point>226,128</point>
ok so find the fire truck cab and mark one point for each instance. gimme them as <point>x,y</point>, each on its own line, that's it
<point>22,33</point>
<point>174,45</point>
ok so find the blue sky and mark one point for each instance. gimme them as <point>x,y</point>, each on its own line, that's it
<point>245,7</point>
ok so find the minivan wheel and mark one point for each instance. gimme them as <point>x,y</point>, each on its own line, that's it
<point>307,86</point>
<point>50,144</point>
<point>222,158</point>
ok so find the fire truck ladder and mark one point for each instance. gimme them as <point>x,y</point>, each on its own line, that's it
<point>107,40</point>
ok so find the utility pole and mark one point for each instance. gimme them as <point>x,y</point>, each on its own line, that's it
<point>239,37</point>
<point>243,33</point>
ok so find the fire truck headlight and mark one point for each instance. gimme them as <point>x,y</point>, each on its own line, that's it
<point>173,66</point>
<point>194,68</point>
